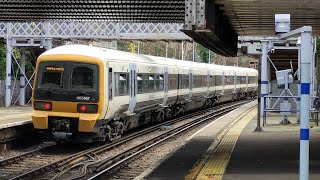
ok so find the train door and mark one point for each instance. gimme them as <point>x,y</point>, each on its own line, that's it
<point>247,81</point>
<point>109,91</point>
<point>208,83</point>
<point>133,88</point>
<point>190,83</point>
<point>223,80</point>
<point>235,82</point>
<point>213,82</point>
<point>166,85</point>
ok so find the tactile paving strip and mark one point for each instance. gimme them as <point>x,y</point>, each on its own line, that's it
<point>216,165</point>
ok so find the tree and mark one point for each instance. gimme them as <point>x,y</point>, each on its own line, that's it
<point>2,61</point>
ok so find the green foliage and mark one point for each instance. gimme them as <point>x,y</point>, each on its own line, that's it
<point>318,46</point>
<point>2,61</point>
<point>123,46</point>
<point>16,54</point>
<point>204,54</point>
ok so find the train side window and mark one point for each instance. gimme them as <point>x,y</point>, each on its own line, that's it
<point>243,79</point>
<point>212,81</point>
<point>122,85</point>
<point>151,84</point>
<point>140,84</point>
<point>173,81</point>
<point>145,80</point>
<point>161,83</point>
<point>218,80</point>
<point>110,83</point>
<point>187,81</point>
<point>156,82</point>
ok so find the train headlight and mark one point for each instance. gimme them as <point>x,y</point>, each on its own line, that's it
<point>87,108</point>
<point>43,106</point>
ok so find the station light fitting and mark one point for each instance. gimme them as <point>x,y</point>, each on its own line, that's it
<point>282,23</point>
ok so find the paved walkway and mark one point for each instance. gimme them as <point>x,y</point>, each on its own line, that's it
<point>273,153</point>
<point>178,165</point>
<point>14,116</point>
<point>229,149</point>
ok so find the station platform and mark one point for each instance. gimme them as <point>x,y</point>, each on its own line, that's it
<point>15,122</point>
<point>229,149</point>
<point>15,116</point>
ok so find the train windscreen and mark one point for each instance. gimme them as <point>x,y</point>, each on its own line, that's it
<point>67,81</point>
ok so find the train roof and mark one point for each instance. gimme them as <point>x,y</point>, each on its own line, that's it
<point>110,54</point>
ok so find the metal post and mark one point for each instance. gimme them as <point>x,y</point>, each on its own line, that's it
<point>22,78</point>
<point>8,71</point>
<point>260,114</point>
<point>299,80</point>
<point>306,55</point>
<point>167,49</point>
<point>193,51</point>
<point>264,76</point>
<point>312,73</point>
<point>182,50</point>
<point>138,47</point>
<point>209,56</point>
<point>48,44</point>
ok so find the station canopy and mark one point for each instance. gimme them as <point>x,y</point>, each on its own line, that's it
<point>256,17</point>
<point>248,17</point>
<point>111,10</point>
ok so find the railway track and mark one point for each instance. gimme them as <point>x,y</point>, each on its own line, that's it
<point>107,165</point>
<point>49,160</point>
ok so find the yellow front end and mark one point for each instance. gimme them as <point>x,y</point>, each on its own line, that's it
<point>68,109</point>
<point>64,110</point>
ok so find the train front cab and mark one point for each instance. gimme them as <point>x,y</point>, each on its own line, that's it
<point>68,97</point>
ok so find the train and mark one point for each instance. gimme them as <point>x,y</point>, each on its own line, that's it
<point>90,94</point>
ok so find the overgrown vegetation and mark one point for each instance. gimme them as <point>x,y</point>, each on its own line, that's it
<point>14,69</point>
<point>2,61</point>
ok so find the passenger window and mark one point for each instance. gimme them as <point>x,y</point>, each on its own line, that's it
<point>145,80</point>
<point>151,84</point>
<point>140,84</point>
<point>122,85</point>
<point>161,83</point>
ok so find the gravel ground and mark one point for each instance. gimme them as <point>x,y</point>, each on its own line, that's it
<point>122,148</point>
<point>23,149</point>
<point>153,157</point>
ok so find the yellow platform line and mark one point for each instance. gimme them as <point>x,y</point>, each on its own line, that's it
<point>217,163</point>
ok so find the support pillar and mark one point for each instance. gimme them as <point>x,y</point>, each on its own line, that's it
<point>48,44</point>
<point>167,49</point>
<point>306,55</point>
<point>8,72</point>
<point>193,51</point>
<point>258,128</point>
<point>299,80</point>
<point>182,50</point>
<point>209,56</point>
<point>264,76</point>
<point>138,47</point>
<point>22,78</point>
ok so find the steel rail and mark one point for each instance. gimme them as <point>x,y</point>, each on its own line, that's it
<point>80,156</point>
<point>111,163</point>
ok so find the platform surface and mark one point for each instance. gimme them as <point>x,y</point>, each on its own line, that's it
<point>272,153</point>
<point>15,116</point>
<point>179,164</point>
<point>267,155</point>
